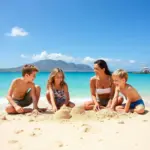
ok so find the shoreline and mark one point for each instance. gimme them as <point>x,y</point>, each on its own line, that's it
<point>77,100</point>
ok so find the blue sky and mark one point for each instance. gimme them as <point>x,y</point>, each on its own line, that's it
<point>79,31</point>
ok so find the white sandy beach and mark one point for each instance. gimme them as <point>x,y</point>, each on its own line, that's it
<point>84,130</point>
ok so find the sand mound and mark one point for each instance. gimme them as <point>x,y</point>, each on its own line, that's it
<point>66,108</point>
<point>63,113</point>
<point>105,113</point>
<point>77,110</point>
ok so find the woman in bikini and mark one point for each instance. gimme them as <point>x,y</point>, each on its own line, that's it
<point>57,90</point>
<point>102,88</point>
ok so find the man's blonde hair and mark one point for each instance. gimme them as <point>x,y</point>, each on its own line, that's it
<point>121,74</point>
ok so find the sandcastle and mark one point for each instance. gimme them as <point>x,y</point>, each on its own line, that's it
<point>79,112</point>
<point>67,113</point>
<point>63,113</point>
<point>105,113</point>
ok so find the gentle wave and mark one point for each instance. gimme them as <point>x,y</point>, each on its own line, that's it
<point>3,100</point>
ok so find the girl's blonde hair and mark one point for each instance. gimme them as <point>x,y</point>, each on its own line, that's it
<point>51,80</point>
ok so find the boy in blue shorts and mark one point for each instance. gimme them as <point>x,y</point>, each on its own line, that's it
<point>134,101</point>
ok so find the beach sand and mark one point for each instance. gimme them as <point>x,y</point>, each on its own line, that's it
<point>75,129</point>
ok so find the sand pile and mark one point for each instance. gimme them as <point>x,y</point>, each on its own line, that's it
<point>67,113</point>
<point>105,113</point>
<point>77,110</point>
<point>79,113</point>
<point>63,113</point>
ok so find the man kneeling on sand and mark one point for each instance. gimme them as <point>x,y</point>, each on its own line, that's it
<point>23,92</point>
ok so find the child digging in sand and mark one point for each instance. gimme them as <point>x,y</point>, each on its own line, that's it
<point>57,90</point>
<point>23,92</point>
<point>134,101</point>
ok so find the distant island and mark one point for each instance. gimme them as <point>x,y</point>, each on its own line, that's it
<point>138,72</point>
<point>145,70</point>
<point>48,65</point>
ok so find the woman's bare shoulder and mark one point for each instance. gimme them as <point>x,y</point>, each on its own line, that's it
<point>93,78</point>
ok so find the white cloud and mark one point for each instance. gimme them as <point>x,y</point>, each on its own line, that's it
<point>53,56</point>
<point>88,60</point>
<point>113,63</point>
<point>23,56</point>
<point>17,31</point>
<point>107,59</point>
<point>58,56</point>
<point>132,61</point>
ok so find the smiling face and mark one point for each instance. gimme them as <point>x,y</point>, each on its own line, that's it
<point>120,77</point>
<point>98,70</point>
<point>119,82</point>
<point>58,78</point>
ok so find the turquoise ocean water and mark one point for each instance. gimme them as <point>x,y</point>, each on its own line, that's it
<point>78,84</point>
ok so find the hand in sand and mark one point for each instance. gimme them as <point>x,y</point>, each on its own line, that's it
<point>35,112</point>
<point>19,109</point>
<point>65,105</point>
<point>108,106</point>
<point>54,108</point>
<point>96,107</point>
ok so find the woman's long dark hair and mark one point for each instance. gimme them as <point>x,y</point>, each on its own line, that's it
<point>102,64</point>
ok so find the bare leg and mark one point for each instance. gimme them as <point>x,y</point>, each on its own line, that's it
<point>70,104</point>
<point>89,105</point>
<point>114,104</point>
<point>11,110</point>
<point>120,100</point>
<point>119,108</point>
<point>48,97</point>
<point>140,109</point>
<point>38,91</point>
